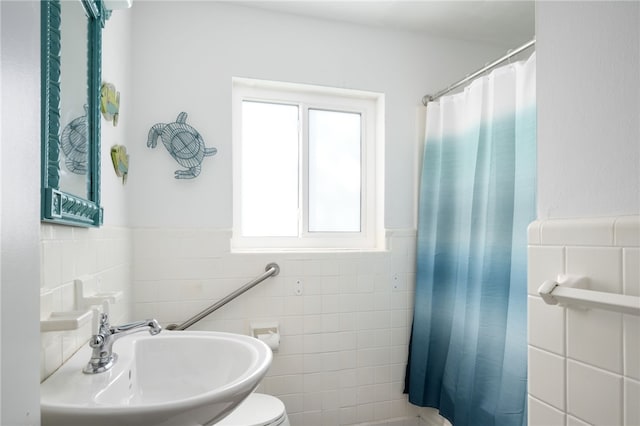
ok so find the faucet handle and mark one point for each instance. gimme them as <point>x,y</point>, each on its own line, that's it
<point>154,326</point>
<point>100,322</point>
<point>104,326</point>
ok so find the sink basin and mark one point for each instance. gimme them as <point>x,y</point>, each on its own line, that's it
<point>176,378</point>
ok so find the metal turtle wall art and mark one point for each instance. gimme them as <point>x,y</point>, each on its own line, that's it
<point>184,143</point>
<point>73,142</point>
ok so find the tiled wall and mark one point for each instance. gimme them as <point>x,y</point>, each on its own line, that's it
<point>67,253</point>
<point>344,340</point>
<point>584,365</point>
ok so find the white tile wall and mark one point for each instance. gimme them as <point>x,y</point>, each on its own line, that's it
<point>594,395</point>
<point>549,333</point>
<point>547,377</point>
<point>67,253</point>
<point>541,414</point>
<point>584,365</point>
<point>344,340</point>
<point>631,402</point>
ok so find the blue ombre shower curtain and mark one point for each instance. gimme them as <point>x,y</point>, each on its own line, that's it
<point>468,350</point>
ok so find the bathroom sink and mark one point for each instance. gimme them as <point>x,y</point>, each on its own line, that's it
<point>176,378</point>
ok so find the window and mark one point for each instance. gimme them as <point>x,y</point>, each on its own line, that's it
<point>307,166</point>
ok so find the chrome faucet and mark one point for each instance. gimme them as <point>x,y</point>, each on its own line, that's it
<point>103,358</point>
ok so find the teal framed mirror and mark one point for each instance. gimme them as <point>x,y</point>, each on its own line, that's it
<point>71,62</point>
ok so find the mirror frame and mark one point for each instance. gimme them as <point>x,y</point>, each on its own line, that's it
<point>58,206</point>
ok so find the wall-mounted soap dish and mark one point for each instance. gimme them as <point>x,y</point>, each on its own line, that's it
<point>88,293</point>
<point>61,321</point>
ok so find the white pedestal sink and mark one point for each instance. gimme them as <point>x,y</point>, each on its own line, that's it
<point>176,378</point>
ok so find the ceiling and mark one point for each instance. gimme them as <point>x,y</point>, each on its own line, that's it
<point>508,23</point>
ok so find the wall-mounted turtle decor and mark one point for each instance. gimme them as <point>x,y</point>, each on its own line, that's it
<point>73,142</point>
<point>184,143</point>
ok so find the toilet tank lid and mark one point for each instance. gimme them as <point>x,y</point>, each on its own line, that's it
<point>256,410</point>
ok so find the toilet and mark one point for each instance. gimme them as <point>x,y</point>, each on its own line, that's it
<point>257,410</point>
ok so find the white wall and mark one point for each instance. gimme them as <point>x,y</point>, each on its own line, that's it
<point>20,213</point>
<point>116,69</point>
<point>588,108</point>
<point>185,54</point>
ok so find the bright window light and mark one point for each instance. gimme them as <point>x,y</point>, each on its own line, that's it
<point>270,162</point>
<point>307,167</point>
<point>334,171</point>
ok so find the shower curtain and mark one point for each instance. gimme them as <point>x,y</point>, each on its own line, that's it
<point>468,350</point>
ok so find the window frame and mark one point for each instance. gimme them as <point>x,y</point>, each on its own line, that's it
<point>370,106</point>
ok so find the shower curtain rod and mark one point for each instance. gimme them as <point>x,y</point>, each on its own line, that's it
<point>430,98</point>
